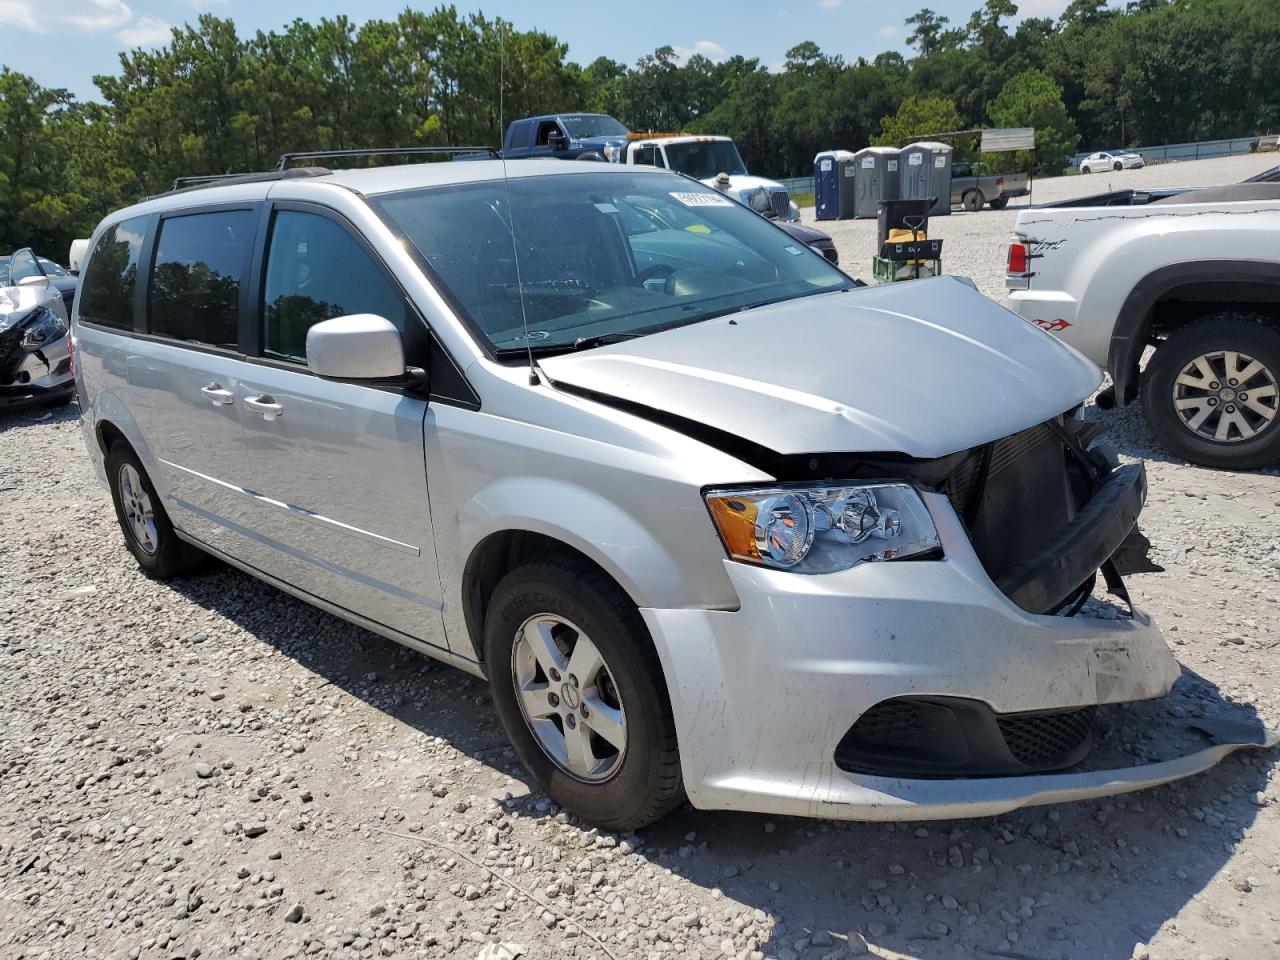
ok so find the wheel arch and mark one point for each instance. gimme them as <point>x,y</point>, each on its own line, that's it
<point>498,554</point>
<point>1174,295</point>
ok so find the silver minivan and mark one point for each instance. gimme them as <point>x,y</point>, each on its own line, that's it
<point>715,520</point>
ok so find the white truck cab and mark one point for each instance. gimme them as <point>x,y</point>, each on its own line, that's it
<point>716,162</point>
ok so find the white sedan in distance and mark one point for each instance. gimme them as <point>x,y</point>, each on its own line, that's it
<point>1112,160</point>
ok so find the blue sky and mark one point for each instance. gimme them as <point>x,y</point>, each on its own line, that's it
<point>63,43</point>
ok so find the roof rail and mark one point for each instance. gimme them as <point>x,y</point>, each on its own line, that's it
<point>288,158</point>
<point>183,184</point>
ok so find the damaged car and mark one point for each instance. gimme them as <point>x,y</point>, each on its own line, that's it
<point>714,521</point>
<point>35,345</point>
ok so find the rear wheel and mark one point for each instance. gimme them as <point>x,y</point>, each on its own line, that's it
<point>147,531</point>
<point>579,689</point>
<point>1211,392</point>
<point>999,203</point>
<point>973,201</point>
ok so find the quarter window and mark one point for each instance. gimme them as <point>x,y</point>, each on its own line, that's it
<point>195,283</point>
<point>316,271</point>
<point>111,275</point>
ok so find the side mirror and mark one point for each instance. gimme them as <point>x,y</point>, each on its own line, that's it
<point>557,141</point>
<point>361,346</point>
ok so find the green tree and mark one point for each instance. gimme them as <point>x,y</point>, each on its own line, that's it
<point>919,117</point>
<point>1032,99</point>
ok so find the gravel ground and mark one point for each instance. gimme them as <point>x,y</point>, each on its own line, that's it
<point>210,768</point>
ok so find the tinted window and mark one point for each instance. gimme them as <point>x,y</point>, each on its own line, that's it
<point>195,283</point>
<point>315,271</point>
<point>111,276</point>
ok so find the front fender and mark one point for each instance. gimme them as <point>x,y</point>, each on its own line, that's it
<point>584,520</point>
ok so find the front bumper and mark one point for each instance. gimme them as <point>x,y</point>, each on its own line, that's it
<point>39,376</point>
<point>763,695</point>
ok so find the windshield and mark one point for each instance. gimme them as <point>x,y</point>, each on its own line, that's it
<point>593,126</point>
<point>52,269</point>
<point>706,158</point>
<point>606,254</point>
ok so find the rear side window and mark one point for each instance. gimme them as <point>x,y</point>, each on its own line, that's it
<point>316,271</point>
<point>111,277</point>
<point>195,282</point>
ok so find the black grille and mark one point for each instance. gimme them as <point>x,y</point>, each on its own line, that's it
<point>1046,739</point>
<point>1025,500</point>
<point>10,354</point>
<point>892,723</point>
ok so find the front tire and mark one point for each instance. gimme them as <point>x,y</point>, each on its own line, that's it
<point>973,201</point>
<point>148,534</point>
<point>1210,392</point>
<point>579,690</point>
<point>1117,166</point>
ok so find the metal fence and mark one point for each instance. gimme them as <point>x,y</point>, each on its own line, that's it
<point>796,185</point>
<point>1192,151</point>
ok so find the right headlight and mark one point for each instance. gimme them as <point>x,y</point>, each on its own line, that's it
<point>822,529</point>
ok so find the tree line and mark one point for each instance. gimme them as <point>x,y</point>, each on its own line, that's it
<point>213,101</point>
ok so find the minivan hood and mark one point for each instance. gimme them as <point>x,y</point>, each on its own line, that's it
<point>924,368</point>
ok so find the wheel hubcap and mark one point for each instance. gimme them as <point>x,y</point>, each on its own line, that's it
<point>138,512</point>
<point>568,698</point>
<point>1226,396</point>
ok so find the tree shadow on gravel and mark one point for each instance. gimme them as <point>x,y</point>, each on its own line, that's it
<point>1050,883</point>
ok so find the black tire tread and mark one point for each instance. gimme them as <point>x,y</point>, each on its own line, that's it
<point>174,557</point>
<point>1174,435</point>
<point>584,579</point>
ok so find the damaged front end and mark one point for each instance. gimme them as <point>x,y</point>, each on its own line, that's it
<point>35,357</point>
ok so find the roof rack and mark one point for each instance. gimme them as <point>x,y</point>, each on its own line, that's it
<point>182,184</point>
<point>288,158</point>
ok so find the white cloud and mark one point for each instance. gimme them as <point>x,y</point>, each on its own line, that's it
<point>887,31</point>
<point>829,4</point>
<point>47,16</point>
<point>708,48</point>
<point>146,31</point>
<point>1041,8</point>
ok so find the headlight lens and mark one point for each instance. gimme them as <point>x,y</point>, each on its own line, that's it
<point>823,529</point>
<point>46,328</point>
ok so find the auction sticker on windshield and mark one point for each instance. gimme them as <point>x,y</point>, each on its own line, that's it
<point>702,199</point>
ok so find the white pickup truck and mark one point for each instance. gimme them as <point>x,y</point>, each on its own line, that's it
<point>1194,274</point>
<point>707,159</point>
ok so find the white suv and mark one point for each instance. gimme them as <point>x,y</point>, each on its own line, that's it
<point>712,518</point>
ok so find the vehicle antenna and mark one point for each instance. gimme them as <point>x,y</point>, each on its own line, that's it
<point>511,211</point>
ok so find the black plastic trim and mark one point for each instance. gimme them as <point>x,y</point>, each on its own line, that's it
<point>1133,324</point>
<point>1043,582</point>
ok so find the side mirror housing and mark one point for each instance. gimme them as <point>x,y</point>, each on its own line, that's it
<point>361,346</point>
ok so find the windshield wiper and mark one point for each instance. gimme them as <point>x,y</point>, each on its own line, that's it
<point>600,340</point>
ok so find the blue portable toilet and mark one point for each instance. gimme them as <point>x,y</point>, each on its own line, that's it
<point>832,192</point>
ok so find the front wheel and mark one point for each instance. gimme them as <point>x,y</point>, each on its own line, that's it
<point>973,201</point>
<point>1117,166</point>
<point>578,687</point>
<point>1210,392</point>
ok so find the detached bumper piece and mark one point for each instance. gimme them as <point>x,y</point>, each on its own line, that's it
<point>1043,581</point>
<point>937,737</point>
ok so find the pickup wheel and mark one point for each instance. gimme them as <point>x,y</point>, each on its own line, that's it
<point>161,553</point>
<point>999,203</point>
<point>973,201</point>
<point>578,687</point>
<point>1210,392</point>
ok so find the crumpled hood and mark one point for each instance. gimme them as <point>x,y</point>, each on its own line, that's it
<point>925,368</point>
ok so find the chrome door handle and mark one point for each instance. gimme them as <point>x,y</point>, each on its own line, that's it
<point>217,396</point>
<point>264,405</point>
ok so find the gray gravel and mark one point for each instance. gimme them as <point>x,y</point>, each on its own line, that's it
<point>210,768</point>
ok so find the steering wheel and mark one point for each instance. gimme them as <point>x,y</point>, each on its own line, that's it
<point>653,271</point>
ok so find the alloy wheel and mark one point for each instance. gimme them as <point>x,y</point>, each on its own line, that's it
<point>138,511</point>
<point>1226,396</point>
<point>568,698</point>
